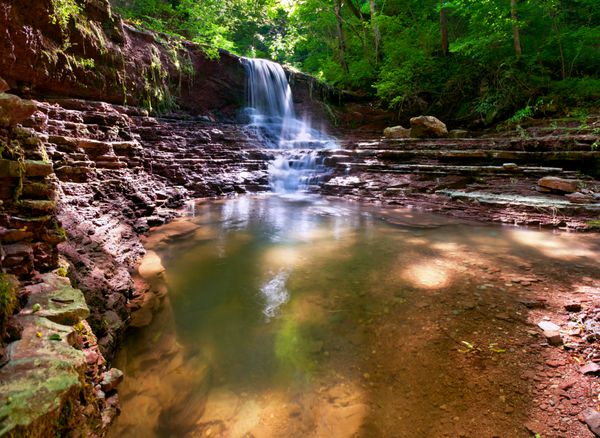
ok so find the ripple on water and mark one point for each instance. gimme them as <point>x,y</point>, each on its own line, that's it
<point>275,294</point>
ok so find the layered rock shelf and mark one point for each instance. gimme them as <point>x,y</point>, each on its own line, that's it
<point>493,178</point>
<point>121,172</point>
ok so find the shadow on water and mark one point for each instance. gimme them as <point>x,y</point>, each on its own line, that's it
<point>316,318</point>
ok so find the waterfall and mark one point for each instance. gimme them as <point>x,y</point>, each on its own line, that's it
<point>271,113</point>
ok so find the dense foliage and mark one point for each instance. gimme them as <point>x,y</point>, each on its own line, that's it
<point>488,59</point>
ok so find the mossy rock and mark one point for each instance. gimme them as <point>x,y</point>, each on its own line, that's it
<point>8,300</point>
<point>56,300</point>
<point>43,378</point>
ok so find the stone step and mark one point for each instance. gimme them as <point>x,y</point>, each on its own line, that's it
<point>113,165</point>
<point>529,201</point>
<point>545,143</point>
<point>490,155</point>
<point>37,206</point>
<point>441,169</point>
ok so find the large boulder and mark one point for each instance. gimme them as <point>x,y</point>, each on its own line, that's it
<point>427,127</point>
<point>396,132</point>
<point>561,185</point>
<point>13,109</point>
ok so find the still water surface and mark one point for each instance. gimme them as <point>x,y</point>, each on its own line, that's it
<point>309,317</point>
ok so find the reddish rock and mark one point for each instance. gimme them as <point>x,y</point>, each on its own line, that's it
<point>559,184</point>
<point>13,109</point>
<point>568,384</point>
<point>580,198</point>
<point>591,417</point>
<point>590,368</point>
<point>112,379</point>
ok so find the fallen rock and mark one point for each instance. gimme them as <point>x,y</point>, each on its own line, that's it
<point>510,166</point>
<point>591,417</point>
<point>533,303</point>
<point>548,326</point>
<point>427,127</point>
<point>567,384</point>
<point>396,132</point>
<point>580,198</point>
<point>553,338</point>
<point>590,368</point>
<point>558,184</point>
<point>112,379</point>
<point>13,109</point>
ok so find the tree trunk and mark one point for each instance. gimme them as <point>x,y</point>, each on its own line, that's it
<point>340,34</point>
<point>555,27</point>
<point>444,31</point>
<point>515,25</point>
<point>376,32</point>
<point>355,10</point>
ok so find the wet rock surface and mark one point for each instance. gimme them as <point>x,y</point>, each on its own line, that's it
<point>121,172</point>
<point>46,387</point>
<point>486,178</point>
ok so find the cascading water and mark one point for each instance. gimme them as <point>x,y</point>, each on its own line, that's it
<point>271,113</point>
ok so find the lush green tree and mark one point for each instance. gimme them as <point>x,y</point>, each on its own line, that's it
<point>456,58</point>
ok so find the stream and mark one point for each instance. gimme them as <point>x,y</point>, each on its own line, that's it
<point>302,316</point>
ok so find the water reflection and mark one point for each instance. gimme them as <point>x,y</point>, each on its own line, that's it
<point>308,317</point>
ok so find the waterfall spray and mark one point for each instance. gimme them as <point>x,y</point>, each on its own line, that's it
<point>271,113</point>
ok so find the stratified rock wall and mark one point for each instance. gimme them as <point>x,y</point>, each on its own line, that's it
<point>94,55</point>
<point>121,172</point>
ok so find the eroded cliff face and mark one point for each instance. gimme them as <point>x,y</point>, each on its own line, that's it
<point>93,55</point>
<point>113,186</point>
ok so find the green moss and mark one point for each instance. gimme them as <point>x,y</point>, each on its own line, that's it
<point>13,151</point>
<point>157,95</point>
<point>60,231</point>
<point>63,11</point>
<point>93,32</point>
<point>8,300</point>
<point>593,225</point>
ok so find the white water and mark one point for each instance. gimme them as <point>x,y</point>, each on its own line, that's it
<point>271,112</point>
<point>275,294</point>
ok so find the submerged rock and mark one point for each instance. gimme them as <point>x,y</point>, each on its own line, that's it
<point>427,127</point>
<point>151,266</point>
